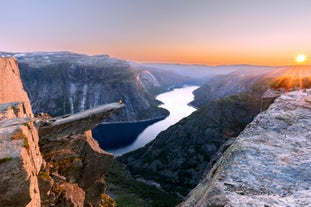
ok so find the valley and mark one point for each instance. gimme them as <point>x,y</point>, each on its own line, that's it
<point>155,103</point>
<point>115,137</point>
<point>180,147</point>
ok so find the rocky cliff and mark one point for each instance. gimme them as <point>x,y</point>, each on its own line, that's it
<point>11,85</point>
<point>62,82</point>
<point>48,161</point>
<point>20,158</point>
<point>268,164</point>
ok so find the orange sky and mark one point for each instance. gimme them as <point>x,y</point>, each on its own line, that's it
<point>261,32</point>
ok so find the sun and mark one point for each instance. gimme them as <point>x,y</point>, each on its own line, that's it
<point>300,58</point>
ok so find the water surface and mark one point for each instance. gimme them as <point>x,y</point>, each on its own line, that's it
<point>125,137</point>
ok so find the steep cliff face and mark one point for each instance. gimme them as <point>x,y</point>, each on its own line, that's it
<point>11,87</point>
<point>159,80</point>
<point>268,164</point>
<point>62,83</point>
<point>64,167</point>
<point>20,158</point>
<point>180,155</point>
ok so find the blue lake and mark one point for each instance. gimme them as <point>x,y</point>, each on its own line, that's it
<point>120,138</point>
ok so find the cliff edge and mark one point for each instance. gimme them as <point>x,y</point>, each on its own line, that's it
<point>269,163</point>
<point>48,161</point>
<point>20,158</point>
<point>11,87</point>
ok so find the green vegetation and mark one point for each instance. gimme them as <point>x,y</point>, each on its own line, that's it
<point>65,163</point>
<point>5,159</point>
<point>44,176</point>
<point>26,143</point>
<point>107,201</point>
<point>19,135</point>
<point>129,192</point>
<point>28,125</point>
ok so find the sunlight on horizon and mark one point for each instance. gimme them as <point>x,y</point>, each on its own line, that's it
<point>297,76</point>
<point>300,58</point>
<point>292,78</point>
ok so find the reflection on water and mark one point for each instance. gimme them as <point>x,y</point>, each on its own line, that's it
<point>125,137</point>
<point>119,135</point>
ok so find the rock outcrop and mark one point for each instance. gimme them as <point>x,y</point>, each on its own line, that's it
<point>74,161</point>
<point>48,161</point>
<point>268,164</point>
<point>11,86</point>
<point>20,158</point>
<point>269,96</point>
<point>76,123</point>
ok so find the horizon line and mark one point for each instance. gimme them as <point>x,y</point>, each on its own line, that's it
<point>150,62</point>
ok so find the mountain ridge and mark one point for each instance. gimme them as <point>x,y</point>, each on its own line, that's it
<point>71,82</point>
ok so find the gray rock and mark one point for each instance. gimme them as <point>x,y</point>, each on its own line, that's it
<point>20,158</point>
<point>76,123</point>
<point>269,164</point>
<point>269,96</point>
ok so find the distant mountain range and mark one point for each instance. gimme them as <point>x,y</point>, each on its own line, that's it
<point>204,72</point>
<point>63,82</point>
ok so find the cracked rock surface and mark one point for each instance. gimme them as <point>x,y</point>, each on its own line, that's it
<point>269,164</point>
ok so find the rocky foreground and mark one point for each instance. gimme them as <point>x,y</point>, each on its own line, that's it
<point>269,164</point>
<point>48,161</point>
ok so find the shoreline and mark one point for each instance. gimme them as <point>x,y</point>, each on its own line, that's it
<point>138,121</point>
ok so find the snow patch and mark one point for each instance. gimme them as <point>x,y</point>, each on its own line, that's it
<point>72,91</point>
<point>84,94</point>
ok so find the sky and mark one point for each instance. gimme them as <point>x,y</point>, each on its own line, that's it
<point>213,32</point>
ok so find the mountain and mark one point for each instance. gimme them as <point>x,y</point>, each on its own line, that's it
<point>232,83</point>
<point>204,72</point>
<point>180,155</point>
<point>62,82</point>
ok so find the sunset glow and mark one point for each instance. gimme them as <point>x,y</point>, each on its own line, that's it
<point>300,58</point>
<point>178,31</point>
<point>292,78</point>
